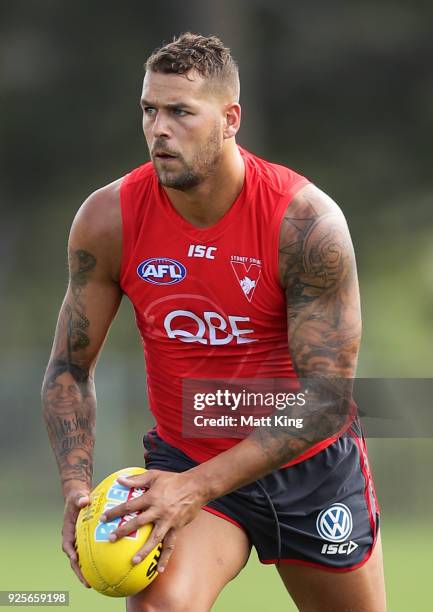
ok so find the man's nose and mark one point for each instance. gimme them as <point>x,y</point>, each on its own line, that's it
<point>161,126</point>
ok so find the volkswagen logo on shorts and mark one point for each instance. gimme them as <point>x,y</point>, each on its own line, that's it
<point>161,271</point>
<point>335,523</point>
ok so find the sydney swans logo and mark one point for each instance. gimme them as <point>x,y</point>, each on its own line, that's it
<point>247,271</point>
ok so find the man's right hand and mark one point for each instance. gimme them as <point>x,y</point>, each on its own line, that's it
<point>74,501</point>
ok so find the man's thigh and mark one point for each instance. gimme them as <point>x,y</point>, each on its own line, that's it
<point>209,552</point>
<point>316,590</point>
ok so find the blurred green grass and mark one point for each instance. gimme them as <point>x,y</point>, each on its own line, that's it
<point>32,559</point>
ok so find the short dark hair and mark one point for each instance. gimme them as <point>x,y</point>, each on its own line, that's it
<point>207,55</point>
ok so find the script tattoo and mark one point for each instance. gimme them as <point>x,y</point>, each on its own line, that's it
<point>318,274</point>
<point>73,436</point>
<point>69,410</point>
<point>68,392</point>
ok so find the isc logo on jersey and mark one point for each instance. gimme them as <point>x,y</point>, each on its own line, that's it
<point>161,271</point>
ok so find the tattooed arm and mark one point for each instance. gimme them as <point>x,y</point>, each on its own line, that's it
<point>318,274</point>
<point>68,395</point>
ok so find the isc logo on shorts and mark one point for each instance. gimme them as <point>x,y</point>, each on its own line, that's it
<point>335,524</point>
<point>339,549</point>
<point>161,271</point>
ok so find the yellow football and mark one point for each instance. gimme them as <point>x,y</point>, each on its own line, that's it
<point>107,566</point>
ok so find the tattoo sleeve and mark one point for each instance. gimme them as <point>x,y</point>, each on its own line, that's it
<point>68,394</point>
<point>318,275</point>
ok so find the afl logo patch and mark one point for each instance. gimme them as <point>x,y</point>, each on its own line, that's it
<point>335,523</point>
<point>161,271</point>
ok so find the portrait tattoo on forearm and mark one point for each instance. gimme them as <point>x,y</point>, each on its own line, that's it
<point>68,393</point>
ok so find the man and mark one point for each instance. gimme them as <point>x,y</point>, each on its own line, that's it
<point>237,269</point>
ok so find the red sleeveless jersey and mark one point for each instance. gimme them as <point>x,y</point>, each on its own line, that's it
<point>208,302</point>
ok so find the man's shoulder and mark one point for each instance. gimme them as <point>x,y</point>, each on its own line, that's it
<point>313,229</point>
<point>97,227</point>
<point>100,212</point>
<point>313,203</point>
<point>102,208</point>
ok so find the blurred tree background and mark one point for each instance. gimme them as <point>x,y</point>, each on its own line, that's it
<point>341,92</point>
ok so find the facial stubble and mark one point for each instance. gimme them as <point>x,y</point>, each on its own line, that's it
<point>203,165</point>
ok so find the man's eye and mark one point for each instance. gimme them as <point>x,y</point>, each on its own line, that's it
<point>180,112</point>
<point>149,110</point>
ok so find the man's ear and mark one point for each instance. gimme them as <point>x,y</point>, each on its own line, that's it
<point>232,119</point>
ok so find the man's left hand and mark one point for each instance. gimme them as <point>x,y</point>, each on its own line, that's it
<point>171,501</point>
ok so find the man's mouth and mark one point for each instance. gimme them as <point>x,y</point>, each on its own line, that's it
<point>162,155</point>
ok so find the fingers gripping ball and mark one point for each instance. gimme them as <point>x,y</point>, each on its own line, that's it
<point>107,566</point>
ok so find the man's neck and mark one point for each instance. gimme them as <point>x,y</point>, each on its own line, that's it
<point>207,203</point>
